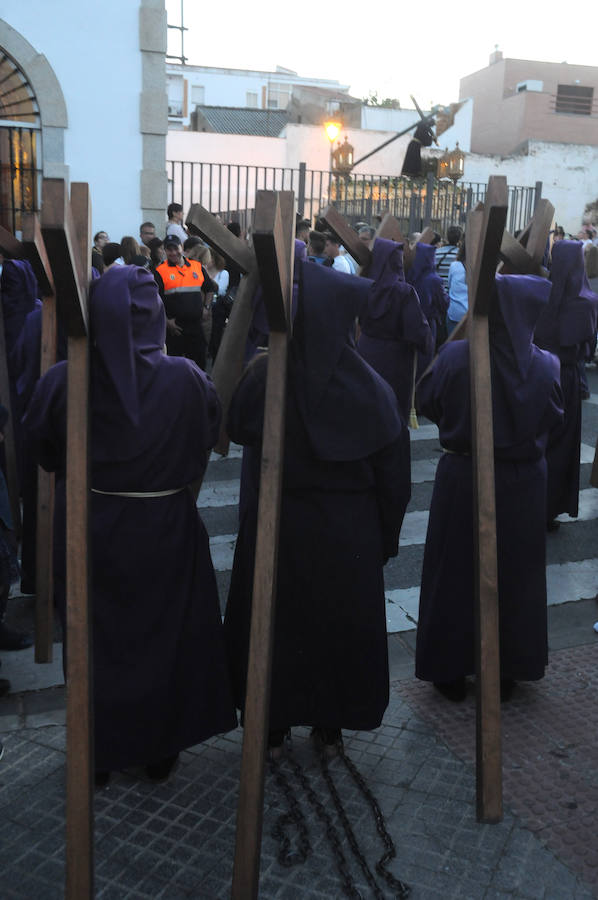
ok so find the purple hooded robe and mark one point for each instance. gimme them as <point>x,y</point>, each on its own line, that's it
<point>160,674</point>
<point>432,295</point>
<point>527,405</point>
<point>567,327</point>
<point>393,326</point>
<point>18,287</point>
<point>345,489</point>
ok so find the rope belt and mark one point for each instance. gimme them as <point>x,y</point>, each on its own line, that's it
<point>140,495</point>
<point>455,452</point>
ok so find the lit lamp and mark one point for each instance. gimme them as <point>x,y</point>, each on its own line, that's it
<point>451,164</point>
<point>342,158</point>
<point>332,129</point>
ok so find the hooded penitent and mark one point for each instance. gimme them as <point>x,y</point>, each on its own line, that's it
<point>153,420</point>
<point>393,325</point>
<point>568,328</point>
<point>428,284</point>
<point>569,321</point>
<point>345,488</point>
<point>18,286</point>
<point>527,406</point>
<point>342,397</point>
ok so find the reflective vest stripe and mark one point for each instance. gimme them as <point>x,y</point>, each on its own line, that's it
<point>187,277</point>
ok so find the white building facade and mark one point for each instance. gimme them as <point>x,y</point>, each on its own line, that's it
<point>191,86</point>
<point>98,79</point>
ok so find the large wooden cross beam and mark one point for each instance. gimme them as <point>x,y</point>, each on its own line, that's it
<point>522,255</point>
<point>485,229</point>
<point>32,248</point>
<point>229,362</point>
<point>273,240</point>
<point>66,232</point>
<point>389,228</point>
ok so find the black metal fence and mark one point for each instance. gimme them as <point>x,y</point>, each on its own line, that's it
<point>20,174</point>
<point>230,190</point>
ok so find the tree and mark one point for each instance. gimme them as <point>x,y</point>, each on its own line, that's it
<point>387,102</point>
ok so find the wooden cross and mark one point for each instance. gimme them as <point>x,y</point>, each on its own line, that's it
<point>522,255</point>
<point>229,362</point>
<point>66,232</point>
<point>389,228</point>
<point>273,241</point>
<point>485,229</point>
<point>32,248</point>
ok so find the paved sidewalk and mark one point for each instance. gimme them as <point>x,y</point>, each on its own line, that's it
<point>176,840</point>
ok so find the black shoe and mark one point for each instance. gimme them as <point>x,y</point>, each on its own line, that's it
<point>27,586</point>
<point>452,690</point>
<point>14,640</point>
<point>4,687</point>
<point>276,738</point>
<point>159,771</point>
<point>507,686</point>
<point>101,779</point>
<point>553,526</point>
<point>327,741</point>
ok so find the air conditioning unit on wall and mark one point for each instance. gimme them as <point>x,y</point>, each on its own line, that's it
<point>530,85</point>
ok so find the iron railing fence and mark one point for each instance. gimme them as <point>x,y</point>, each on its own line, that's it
<point>20,174</point>
<point>229,191</point>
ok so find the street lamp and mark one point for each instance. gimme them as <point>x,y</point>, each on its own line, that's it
<point>332,129</point>
<point>451,164</point>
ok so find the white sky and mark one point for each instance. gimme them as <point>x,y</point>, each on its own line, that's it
<point>377,46</point>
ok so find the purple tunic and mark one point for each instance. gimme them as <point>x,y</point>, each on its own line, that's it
<point>432,295</point>
<point>18,286</point>
<point>345,489</point>
<point>568,329</point>
<point>527,404</point>
<point>160,675</point>
<point>394,325</point>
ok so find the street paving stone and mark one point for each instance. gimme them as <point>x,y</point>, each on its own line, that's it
<point>177,840</point>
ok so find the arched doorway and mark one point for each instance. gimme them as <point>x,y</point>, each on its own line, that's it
<point>20,145</point>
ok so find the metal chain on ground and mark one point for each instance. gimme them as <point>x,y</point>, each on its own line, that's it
<point>403,890</point>
<point>293,817</point>
<point>331,833</point>
<point>355,849</point>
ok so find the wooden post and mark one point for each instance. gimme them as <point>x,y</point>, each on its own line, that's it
<point>484,234</point>
<point>273,242</point>
<point>64,245</point>
<point>229,362</point>
<point>35,251</point>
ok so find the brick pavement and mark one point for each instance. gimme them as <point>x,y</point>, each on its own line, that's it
<point>550,752</point>
<point>176,840</point>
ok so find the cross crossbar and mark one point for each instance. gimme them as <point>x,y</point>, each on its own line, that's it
<point>201,222</point>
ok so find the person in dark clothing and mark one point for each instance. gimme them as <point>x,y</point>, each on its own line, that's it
<point>567,328</point>
<point>393,327</point>
<point>345,489</point>
<point>160,675</point>
<point>187,291</point>
<point>432,296</point>
<point>527,406</point>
